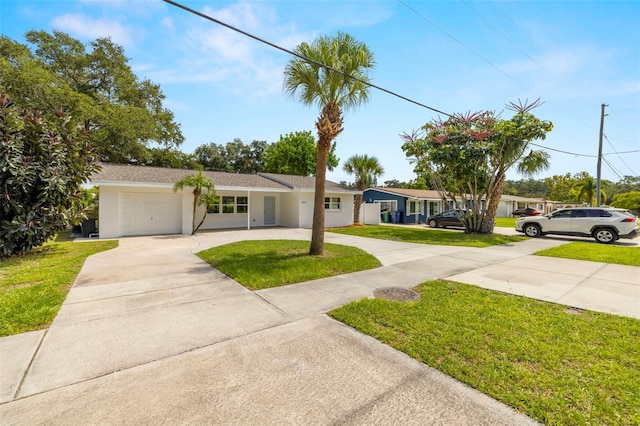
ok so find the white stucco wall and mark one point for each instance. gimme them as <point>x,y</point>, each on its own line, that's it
<point>289,206</point>
<point>332,218</point>
<point>293,209</point>
<point>110,207</point>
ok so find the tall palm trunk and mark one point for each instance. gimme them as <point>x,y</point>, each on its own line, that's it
<point>490,216</point>
<point>358,202</point>
<point>329,126</point>
<point>196,195</point>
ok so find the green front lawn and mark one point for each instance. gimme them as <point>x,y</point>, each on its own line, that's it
<point>506,222</point>
<point>555,364</point>
<point>427,236</point>
<point>272,263</point>
<point>595,252</point>
<point>33,287</point>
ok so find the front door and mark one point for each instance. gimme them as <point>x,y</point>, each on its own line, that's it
<point>269,210</point>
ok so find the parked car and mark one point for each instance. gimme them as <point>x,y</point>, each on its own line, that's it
<point>526,212</point>
<point>605,224</point>
<point>447,218</point>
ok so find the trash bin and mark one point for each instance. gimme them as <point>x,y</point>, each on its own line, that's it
<point>88,227</point>
<point>386,217</point>
<point>394,217</point>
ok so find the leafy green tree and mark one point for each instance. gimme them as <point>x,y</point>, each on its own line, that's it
<point>366,171</point>
<point>96,85</point>
<point>587,190</point>
<point>296,154</point>
<point>530,188</point>
<point>627,200</point>
<point>626,184</point>
<point>43,165</point>
<point>562,187</point>
<point>393,183</point>
<point>204,194</point>
<point>234,157</point>
<point>468,155</point>
<point>332,92</point>
<point>212,156</point>
<point>171,158</point>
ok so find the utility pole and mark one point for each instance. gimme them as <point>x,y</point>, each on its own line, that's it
<point>602,114</point>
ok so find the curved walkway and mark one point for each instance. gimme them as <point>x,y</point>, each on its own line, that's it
<point>151,334</point>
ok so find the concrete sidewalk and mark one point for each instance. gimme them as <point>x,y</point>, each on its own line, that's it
<point>151,334</point>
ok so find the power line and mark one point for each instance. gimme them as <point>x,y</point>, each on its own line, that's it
<point>433,24</point>
<point>496,29</point>
<point>613,169</point>
<point>618,154</point>
<point>576,154</point>
<point>304,58</point>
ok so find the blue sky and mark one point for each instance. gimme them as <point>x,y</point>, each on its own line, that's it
<point>455,56</point>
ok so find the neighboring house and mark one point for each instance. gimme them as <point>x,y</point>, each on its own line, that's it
<point>414,205</point>
<point>139,200</point>
<point>509,203</point>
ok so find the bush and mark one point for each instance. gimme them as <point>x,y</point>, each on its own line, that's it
<point>43,165</point>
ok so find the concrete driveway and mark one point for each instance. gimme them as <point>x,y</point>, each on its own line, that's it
<point>151,334</point>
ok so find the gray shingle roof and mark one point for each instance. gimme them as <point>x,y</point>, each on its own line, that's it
<point>124,173</point>
<point>305,182</point>
<point>412,193</point>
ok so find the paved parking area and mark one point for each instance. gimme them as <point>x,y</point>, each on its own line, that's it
<point>152,334</point>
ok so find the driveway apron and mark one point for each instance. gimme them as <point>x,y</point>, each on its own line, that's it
<point>151,334</point>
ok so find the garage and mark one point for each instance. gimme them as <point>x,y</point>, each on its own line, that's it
<point>150,213</point>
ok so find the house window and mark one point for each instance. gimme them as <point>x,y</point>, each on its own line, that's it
<point>389,206</point>
<point>228,204</point>
<point>242,204</point>
<point>215,207</point>
<point>332,203</point>
<point>415,207</point>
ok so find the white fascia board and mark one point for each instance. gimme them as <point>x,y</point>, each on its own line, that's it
<point>169,185</point>
<point>312,190</point>
<point>131,184</point>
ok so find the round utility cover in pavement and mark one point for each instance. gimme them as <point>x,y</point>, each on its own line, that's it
<point>396,293</point>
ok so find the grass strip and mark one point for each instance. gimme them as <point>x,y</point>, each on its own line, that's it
<point>427,236</point>
<point>33,286</point>
<point>556,364</point>
<point>272,263</point>
<point>595,252</point>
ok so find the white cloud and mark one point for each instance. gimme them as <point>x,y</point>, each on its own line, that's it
<point>83,26</point>
<point>167,23</point>
<point>215,54</point>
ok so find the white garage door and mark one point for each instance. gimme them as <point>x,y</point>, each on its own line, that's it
<point>149,214</point>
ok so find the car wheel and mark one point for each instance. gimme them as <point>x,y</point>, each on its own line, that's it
<point>605,235</point>
<point>532,231</point>
<point>433,223</point>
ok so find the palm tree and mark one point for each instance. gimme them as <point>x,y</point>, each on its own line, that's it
<point>204,193</point>
<point>308,77</point>
<point>366,170</point>
<point>513,139</point>
<point>587,189</point>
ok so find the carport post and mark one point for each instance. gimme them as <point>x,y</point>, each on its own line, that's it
<point>248,209</point>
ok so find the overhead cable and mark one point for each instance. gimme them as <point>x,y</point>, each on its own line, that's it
<point>618,154</point>
<point>433,24</point>
<point>304,58</point>
<point>496,29</point>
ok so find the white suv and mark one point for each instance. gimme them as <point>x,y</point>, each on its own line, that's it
<point>605,224</point>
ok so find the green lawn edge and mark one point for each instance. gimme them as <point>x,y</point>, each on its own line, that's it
<point>427,236</point>
<point>34,286</point>
<point>555,364</point>
<point>259,264</point>
<point>594,252</point>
